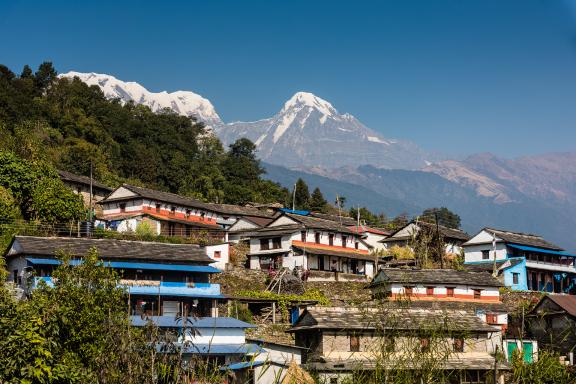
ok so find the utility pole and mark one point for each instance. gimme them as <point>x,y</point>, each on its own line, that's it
<point>294,197</point>
<point>438,244</point>
<point>494,269</point>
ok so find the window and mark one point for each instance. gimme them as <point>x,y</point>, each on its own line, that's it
<point>264,244</point>
<point>303,236</point>
<point>356,244</point>
<point>122,207</point>
<point>429,291</point>
<point>458,344</point>
<point>354,343</point>
<point>344,240</point>
<point>450,292</point>
<point>317,237</point>
<point>202,215</point>
<point>485,255</point>
<point>15,276</point>
<point>172,210</point>
<point>408,291</point>
<point>217,254</point>
<point>477,294</point>
<point>331,239</point>
<point>188,213</point>
<point>515,277</point>
<point>276,243</point>
<point>425,345</point>
<point>158,206</point>
<point>491,318</point>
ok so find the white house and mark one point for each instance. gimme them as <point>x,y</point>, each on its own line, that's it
<point>453,238</point>
<point>325,248</point>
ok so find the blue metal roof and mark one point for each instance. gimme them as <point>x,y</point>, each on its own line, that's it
<point>200,322</point>
<point>129,265</point>
<point>541,250</point>
<point>199,290</point>
<point>210,349</point>
<point>295,211</point>
<point>242,365</point>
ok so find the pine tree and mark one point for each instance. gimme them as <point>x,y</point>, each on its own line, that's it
<point>26,72</point>
<point>45,75</point>
<point>317,201</point>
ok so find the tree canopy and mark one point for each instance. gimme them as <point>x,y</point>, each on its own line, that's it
<point>446,217</point>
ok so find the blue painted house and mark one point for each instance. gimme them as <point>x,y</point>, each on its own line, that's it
<point>161,279</point>
<point>523,261</point>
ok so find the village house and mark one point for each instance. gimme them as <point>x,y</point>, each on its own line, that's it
<point>161,279</point>
<point>453,238</point>
<point>325,248</point>
<point>523,261</point>
<point>372,236</point>
<point>91,191</point>
<point>353,343</point>
<point>477,292</point>
<point>553,323</point>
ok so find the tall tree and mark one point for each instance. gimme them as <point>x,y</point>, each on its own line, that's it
<point>317,201</point>
<point>301,195</point>
<point>446,217</point>
<point>45,75</point>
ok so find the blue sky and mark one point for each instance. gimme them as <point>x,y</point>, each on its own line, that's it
<point>453,76</point>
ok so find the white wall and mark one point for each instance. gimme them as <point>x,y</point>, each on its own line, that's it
<point>221,262</point>
<point>473,253</point>
<point>218,336</point>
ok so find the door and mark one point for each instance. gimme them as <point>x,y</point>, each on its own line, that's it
<point>512,346</point>
<point>527,349</point>
<point>321,262</point>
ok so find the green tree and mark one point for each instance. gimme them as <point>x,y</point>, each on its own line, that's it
<point>317,201</point>
<point>75,332</point>
<point>242,170</point>
<point>9,210</point>
<point>26,72</point>
<point>368,217</point>
<point>446,217</point>
<point>301,195</point>
<point>45,76</point>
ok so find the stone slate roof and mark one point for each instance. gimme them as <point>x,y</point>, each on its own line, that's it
<point>172,198</point>
<point>278,230</point>
<point>109,249</point>
<point>351,253</point>
<point>317,223</point>
<point>340,318</point>
<point>71,177</point>
<point>522,239</point>
<point>471,306</point>
<point>434,276</point>
<point>345,220</point>
<point>448,233</point>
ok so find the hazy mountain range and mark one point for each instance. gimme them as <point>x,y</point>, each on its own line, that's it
<point>341,155</point>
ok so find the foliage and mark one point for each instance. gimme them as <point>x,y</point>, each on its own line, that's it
<point>446,217</point>
<point>8,207</point>
<point>37,190</point>
<point>239,253</point>
<point>74,127</point>
<point>401,253</point>
<point>76,332</point>
<point>301,195</point>
<point>145,231</point>
<point>317,201</point>
<point>241,312</point>
<point>284,300</point>
<point>398,222</point>
<point>368,217</point>
<point>546,370</point>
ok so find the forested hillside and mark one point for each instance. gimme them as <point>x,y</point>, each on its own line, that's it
<point>65,124</point>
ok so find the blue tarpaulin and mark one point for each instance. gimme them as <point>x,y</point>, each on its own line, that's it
<point>242,365</point>
<point>130,265</point>
<point>295,211</point>
<point>541,250</point>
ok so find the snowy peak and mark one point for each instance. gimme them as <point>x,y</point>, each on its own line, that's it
<point>306,99</point>
<point>182,102</point>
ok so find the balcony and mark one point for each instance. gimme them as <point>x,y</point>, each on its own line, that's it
<point>548,266</point>
<point>157,288</point>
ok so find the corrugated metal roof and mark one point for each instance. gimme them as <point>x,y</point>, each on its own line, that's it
<point>541,250</point>
<point>199,322</point>
<point>242,365</point>
<point>127,265</point>
<point>566,302</point>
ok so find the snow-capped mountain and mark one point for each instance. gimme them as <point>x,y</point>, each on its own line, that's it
<point>182,102</point>
<point>308,131</point>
